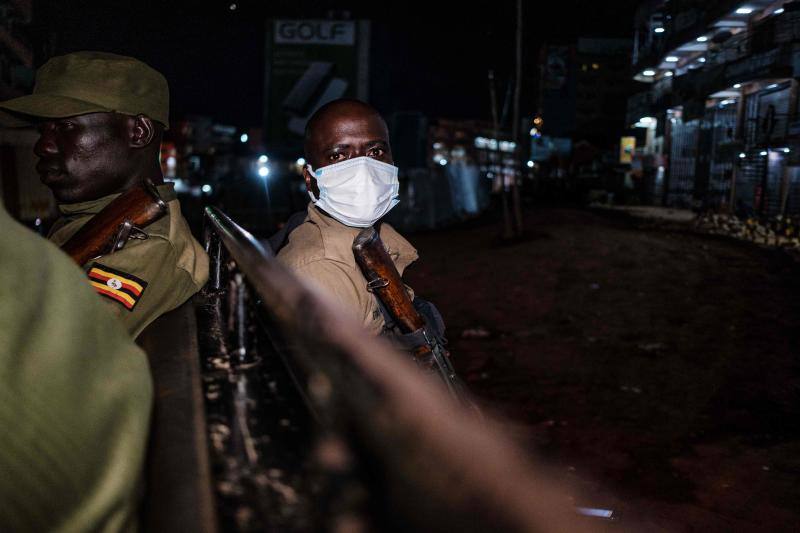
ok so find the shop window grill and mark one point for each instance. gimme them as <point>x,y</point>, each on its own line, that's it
<point>683,157</point>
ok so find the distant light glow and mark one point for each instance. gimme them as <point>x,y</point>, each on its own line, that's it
<point>598,513</point>
<point>737,85</point>
<point>530,164</point>
<point>443,161</point>
<point>702,39</point>
<point>744,10</point>
<point>180,185</point>
<point>727,102</point>
<point>763,153</point>
<point>507,146</point>
<point>263,159</point>
<point>702,60</point>
<point>659,30</point>
<point>301,161</point>
<point>648,72</point>
<point>646,121</point>
<point>243,137</point>
<point>742,155</point>
<point>784,150</point>
<point>206,188</point>
<point>772,86</point>
<point>669,74</point>
<point>263,172</point>
<point>778,11</point>
<point>233,7</point>
<point>672,59</point>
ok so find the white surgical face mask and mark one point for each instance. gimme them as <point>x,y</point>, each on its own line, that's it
<point>356,192</point>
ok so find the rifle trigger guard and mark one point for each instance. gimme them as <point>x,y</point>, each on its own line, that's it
<point>377,283</point>
<point>126,231</point>
<point>138,234</point>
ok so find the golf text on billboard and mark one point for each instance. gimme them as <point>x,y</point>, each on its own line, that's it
<point>330,32</point>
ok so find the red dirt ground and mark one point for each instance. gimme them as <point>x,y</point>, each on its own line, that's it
<point>656,366</point>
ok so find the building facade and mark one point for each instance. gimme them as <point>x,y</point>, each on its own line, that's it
<point>720,107</point>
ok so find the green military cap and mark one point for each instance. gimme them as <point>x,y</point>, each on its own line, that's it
<point>91,82</point>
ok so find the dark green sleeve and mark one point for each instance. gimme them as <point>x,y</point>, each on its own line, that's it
<point>75,397</point>
<point>154,262</point>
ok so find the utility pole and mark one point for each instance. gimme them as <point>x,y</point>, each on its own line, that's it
<point>518,227</point>
<point>508,231</point>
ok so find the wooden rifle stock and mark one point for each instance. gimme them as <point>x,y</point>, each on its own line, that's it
<point>109,229</point>
<point>384,281</point>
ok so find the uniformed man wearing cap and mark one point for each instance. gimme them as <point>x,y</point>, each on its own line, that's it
<point>100,118</point>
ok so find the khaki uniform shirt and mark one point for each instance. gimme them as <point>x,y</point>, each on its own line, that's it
<point>75,397</point>
<point>147,277</point>
<point>321,250</point>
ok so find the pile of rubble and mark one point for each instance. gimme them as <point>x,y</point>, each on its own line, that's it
<point>778,231</point>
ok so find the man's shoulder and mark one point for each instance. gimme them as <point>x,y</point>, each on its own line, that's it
<point>153,256</point>
<point>388,233</point>
<point>170,244</point>
<point>305,245</point>
<point>400,250</point>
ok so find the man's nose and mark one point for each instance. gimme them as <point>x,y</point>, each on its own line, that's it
<point>46,144</point>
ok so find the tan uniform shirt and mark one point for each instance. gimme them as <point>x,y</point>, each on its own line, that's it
<point>321,250</point>
<point>148,277</point>
<point>75,397</point>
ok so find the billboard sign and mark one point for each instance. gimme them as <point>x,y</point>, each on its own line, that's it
<point>310,63</point>
<point>627,147</point>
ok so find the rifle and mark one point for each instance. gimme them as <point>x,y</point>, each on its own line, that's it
<point>384,281</point>
<point>122,219</point>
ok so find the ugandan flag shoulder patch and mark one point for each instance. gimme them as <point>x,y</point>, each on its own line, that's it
<point>117,285</point>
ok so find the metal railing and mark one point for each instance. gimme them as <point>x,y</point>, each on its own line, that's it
<point>314,425</point>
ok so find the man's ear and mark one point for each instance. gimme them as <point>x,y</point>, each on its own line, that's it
<point>311,182</point>
<point>143,131</point>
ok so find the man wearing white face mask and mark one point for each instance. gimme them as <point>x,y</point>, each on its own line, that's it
<point>352,183</point>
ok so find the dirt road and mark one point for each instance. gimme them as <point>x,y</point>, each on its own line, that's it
<point>658,368</point>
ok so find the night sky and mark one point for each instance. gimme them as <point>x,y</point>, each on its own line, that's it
<point>427,56</point>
